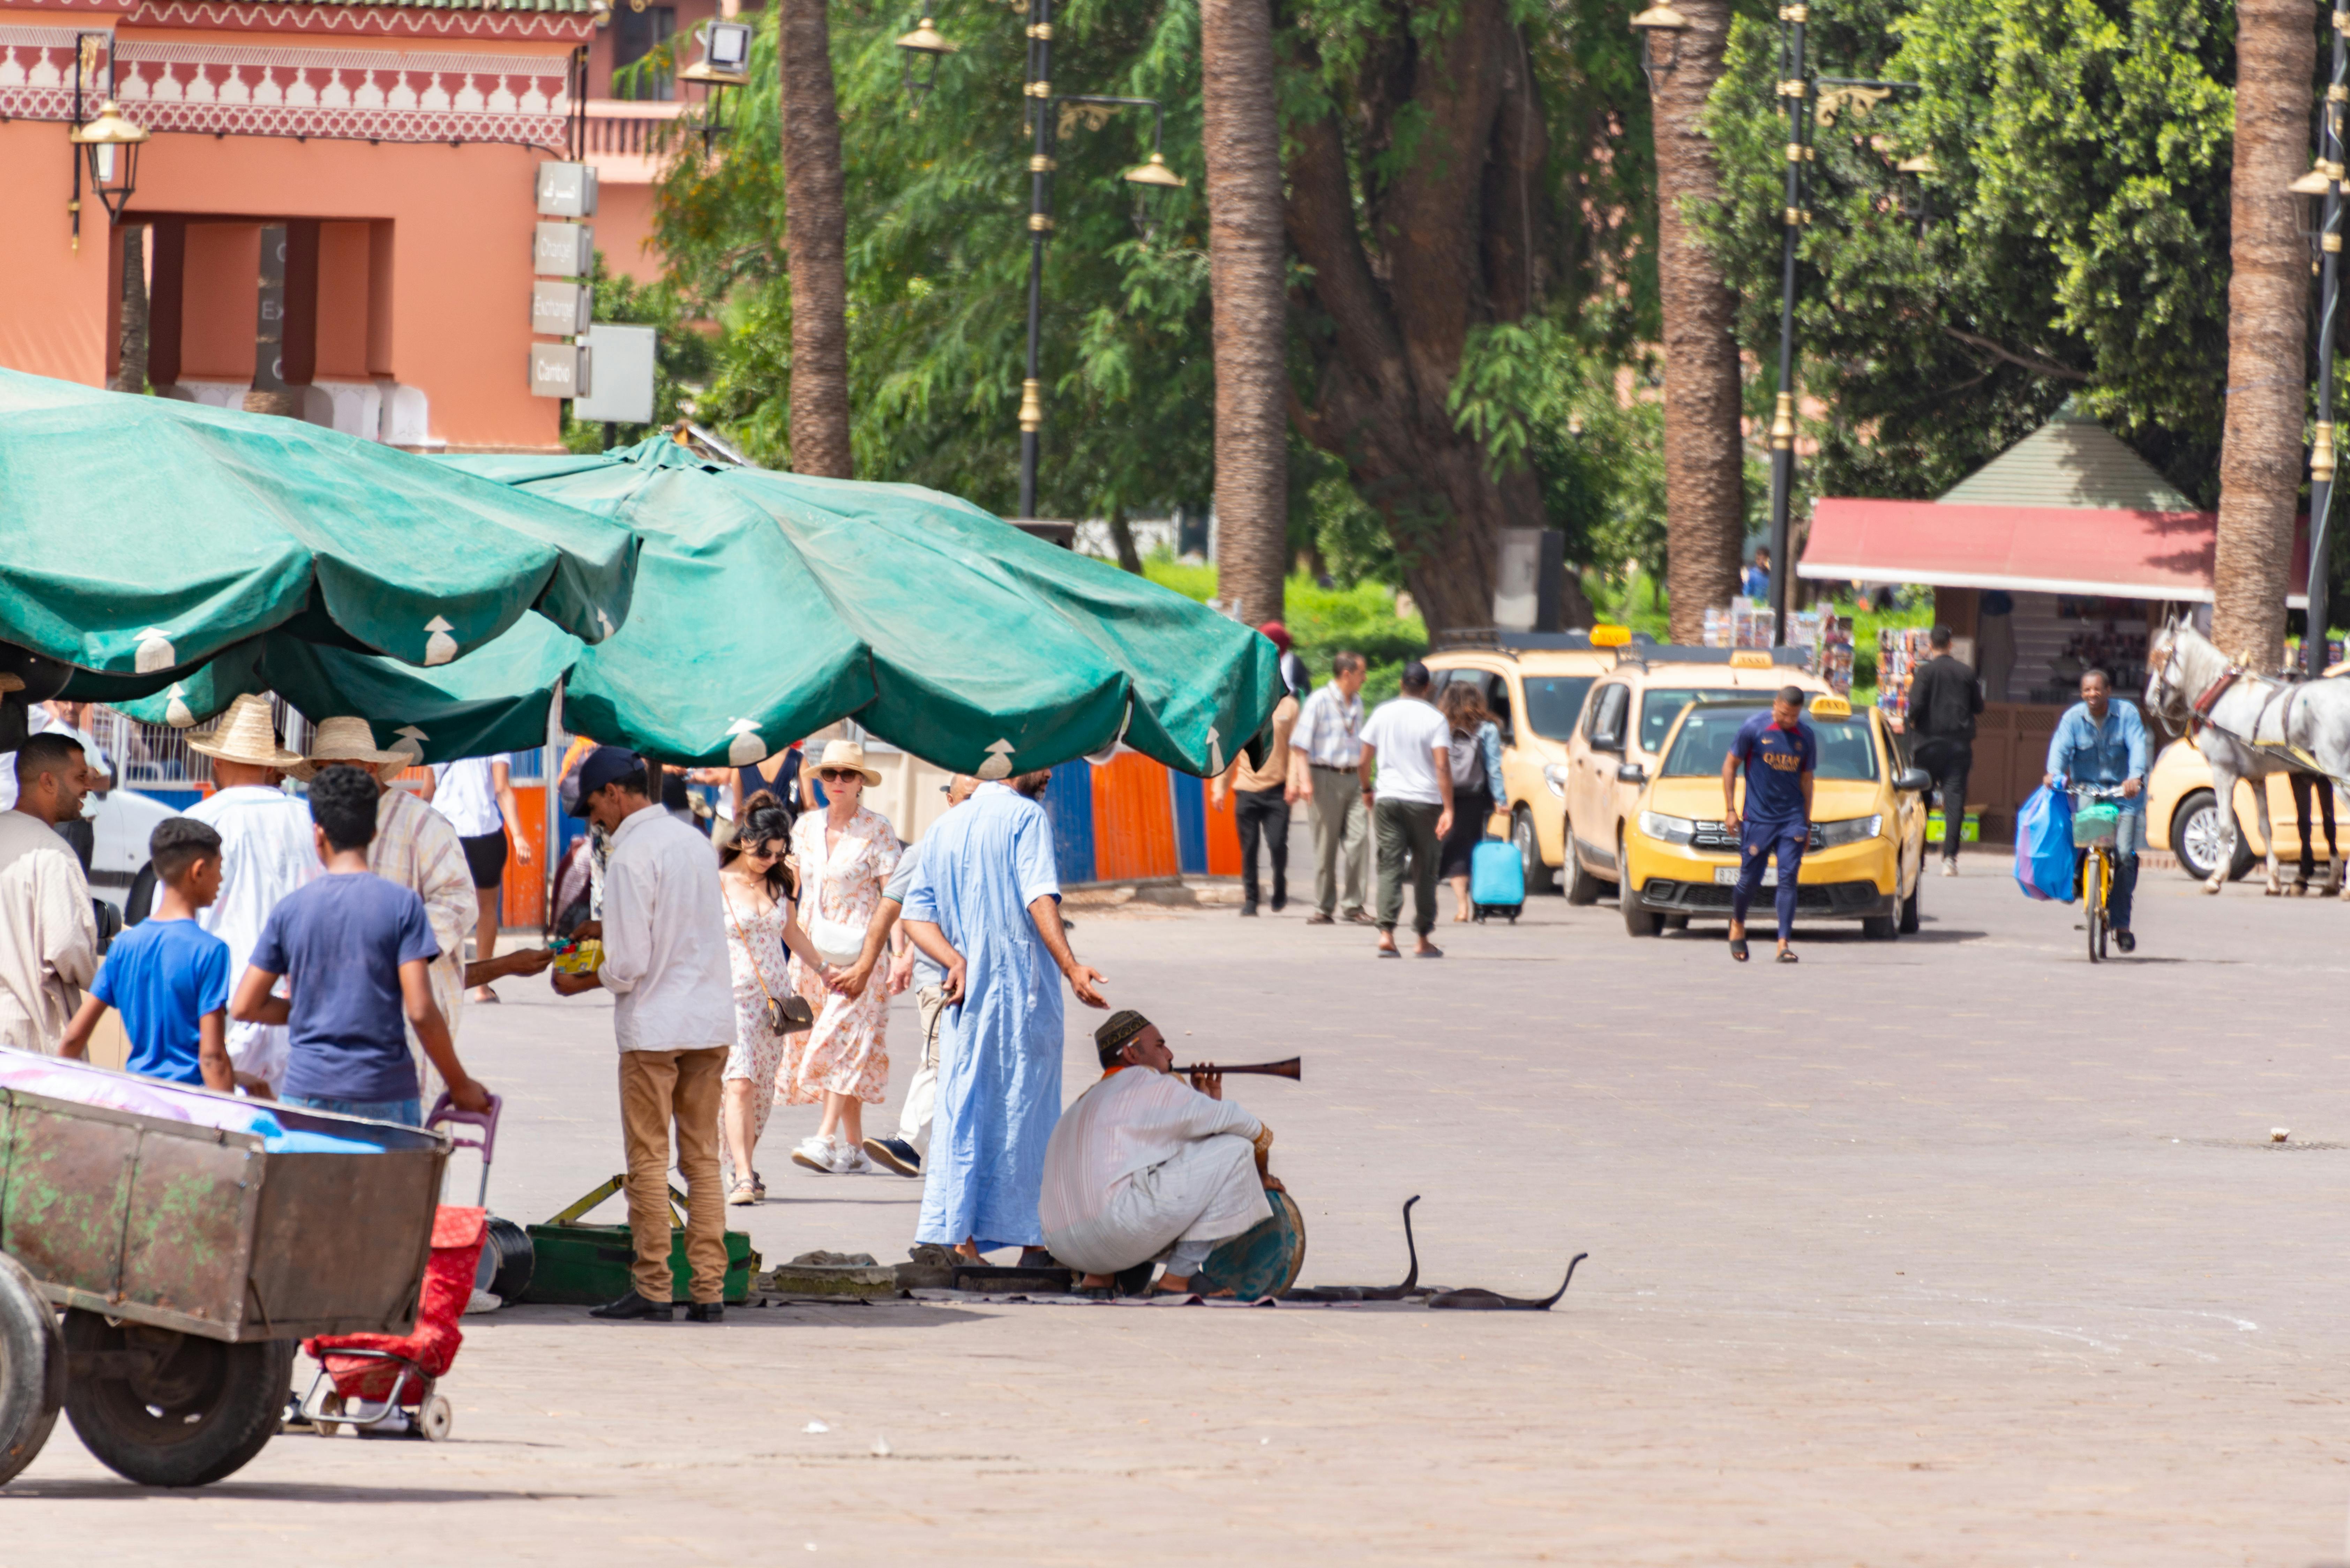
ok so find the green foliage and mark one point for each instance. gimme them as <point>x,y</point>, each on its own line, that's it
<point>682,354</point>
<point>937,260</point>
<point>1323,621</point>
<point>937,197</point>
<point>1522,390</point>
<point>2077,241</point>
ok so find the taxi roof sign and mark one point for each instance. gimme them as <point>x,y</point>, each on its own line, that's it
<point>1749,659</point>
<point>1827,707</point>
<point>1611,636</point>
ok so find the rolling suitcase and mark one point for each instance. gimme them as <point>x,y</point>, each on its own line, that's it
<point>1497,879</point>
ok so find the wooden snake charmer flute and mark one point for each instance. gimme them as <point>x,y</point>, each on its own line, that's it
<point>1290,1069</point>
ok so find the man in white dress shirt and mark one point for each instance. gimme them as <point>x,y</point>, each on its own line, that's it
<point>267,852</point>
<point>1143,1165</point>
<point>673,1019</point>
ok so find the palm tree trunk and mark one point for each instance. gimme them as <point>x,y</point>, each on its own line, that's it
<point>1705,501</point>
<point>816,242</point>
<point>130,371</point>
<point>2260,445</point>
<point>1241,138</point>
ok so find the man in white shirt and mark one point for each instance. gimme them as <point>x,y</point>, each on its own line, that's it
<point>267,850</point>
<point>1408,749</point>
<point>1326,750</point>
<point>477,795</point>
<point>1144,1167</point>
<point>673,1019</point>
<point>48,936</point>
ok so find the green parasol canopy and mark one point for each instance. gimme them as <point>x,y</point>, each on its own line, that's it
<point>145,536</point>
<point>770,604</point>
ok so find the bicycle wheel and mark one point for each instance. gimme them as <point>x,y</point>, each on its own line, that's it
<point>2093,897</point>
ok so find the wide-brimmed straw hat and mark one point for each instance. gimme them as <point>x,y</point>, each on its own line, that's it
<point>346,740</point>
<point>247,734</point>
<point>848,755</point>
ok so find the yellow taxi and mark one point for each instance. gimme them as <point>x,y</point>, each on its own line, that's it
<point>1534,684</point>
<point>1867,846</point>
<point>1620,738</point>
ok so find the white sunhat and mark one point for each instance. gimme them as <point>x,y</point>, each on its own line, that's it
<point>349,740</point>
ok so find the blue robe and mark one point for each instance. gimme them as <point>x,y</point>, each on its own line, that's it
<point>983,865</point>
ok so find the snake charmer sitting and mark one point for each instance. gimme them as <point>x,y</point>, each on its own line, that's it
<point>1144,1167</point>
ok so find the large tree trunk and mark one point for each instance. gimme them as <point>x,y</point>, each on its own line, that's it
<point>1241,138</point>
<point>1403,269</point>
<point>816,242</point>
<point>130,371</point>
<point>1705,504</point>
<point>2260,450</point>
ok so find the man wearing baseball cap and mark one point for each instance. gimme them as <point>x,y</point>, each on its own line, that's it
<point>673,1018</point>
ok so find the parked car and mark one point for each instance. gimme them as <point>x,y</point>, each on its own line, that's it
<point>1867,846</point>
<point>2182,811</point>
<point>1619,740</point>
<point>123,819</point>
<point>1535,684</point>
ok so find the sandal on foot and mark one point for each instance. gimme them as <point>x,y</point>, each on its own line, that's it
<point>1738,948</point>
<point>1787,956</point>
<point>742,1193</point>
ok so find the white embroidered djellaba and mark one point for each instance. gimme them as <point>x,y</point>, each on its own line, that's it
<point>1141,1161</point>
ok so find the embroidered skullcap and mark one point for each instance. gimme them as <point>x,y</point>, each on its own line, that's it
<point>1119,1032</point>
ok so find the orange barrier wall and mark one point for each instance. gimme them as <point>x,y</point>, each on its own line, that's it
<point>1134,820</point>
<point>524,894</point>
<point>1224,830</point>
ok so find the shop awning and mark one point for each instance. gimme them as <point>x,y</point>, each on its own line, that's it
<point>2115,554</point>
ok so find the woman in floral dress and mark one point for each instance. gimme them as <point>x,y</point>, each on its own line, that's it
<point>757,889</point>
<point>845,853</point>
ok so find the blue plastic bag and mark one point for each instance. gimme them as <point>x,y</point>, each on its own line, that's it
<point>2046,864</point>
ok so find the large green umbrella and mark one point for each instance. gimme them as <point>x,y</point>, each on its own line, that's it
<point>140,536</point>
<point>769,604</point>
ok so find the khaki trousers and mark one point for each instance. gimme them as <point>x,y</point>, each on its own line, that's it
<point>1342,831</point>
<point>659,1089</point>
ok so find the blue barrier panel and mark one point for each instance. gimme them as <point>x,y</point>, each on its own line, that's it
<point>1190,822</point>
<point>1069,802</point>
<point>176,798</point>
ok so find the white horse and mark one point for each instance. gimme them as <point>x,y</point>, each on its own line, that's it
<point>2252,727</point>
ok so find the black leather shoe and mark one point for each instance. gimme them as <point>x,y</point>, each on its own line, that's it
<point>705,1312</point>
<point>632,1306</point>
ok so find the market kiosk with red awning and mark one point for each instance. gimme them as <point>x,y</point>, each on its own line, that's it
<point>2062,552</point>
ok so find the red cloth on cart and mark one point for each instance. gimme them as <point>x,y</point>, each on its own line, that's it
<point>457,1238</point>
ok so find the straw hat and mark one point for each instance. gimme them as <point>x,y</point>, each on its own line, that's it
<point>347,740</point>
<point>848,755</point>
<point>247,734</point>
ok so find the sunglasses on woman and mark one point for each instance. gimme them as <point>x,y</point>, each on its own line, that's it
<point>839,776</point>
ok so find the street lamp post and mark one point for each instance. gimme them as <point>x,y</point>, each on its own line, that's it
<point>2328,178</point>
<point>1797,89</point>
<point>1152,175</point>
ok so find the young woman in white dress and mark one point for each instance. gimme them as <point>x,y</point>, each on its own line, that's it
<point>759,891</point>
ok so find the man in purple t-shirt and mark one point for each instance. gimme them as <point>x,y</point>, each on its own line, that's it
<point>1779,753</point>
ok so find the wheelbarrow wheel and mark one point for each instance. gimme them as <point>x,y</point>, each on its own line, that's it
<point>164,1408</point>
<point>434,1417</point>
<point>32,1368</point>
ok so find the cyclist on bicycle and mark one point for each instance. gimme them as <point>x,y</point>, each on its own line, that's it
<point>2100,742</point>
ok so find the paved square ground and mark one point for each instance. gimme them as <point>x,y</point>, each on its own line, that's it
<point>1954,1249</point>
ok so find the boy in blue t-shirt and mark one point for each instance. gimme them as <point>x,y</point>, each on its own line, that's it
<point>355,947</point>
<point>167,974</point>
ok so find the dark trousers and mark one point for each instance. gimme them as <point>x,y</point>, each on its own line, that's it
<point>2301,784</point>
<point>1401,828</point>
<point>1950,762</point>
<point>1758,842</point>
<point>82,835</point>
<point>1262,814</point>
